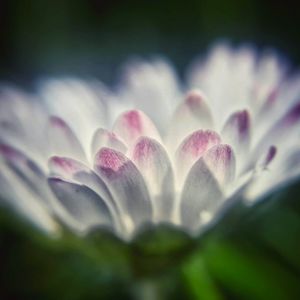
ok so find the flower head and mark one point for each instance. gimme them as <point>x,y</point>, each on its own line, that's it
<point>151,151</point>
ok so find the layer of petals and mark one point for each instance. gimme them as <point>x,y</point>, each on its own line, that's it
<point>84,205</point>
<point>104,138</point>
<point>63,141</point>
<point>153,162</point>
<point>126,185</point>
<point>192,148</point>
<point>200,197</point>
<point>133,124</point>
<point>191,115</point>
<point>220,160</point>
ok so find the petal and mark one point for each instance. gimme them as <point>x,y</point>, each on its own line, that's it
<point>193,114</point>
<point>232,71</point>
<point>282,132</point>
<point>126,185</point>
<point>80,103</point>
<point>83,204</point>
<point>74,171</point>
<point>269,73</point>
<point>220,160</point>
<point>27,171</point>
<point>62,140</point>
<point>271,153</point>
<point>16,193</point>
<point>236,132</point>
<point>153,88</point>
<point>200,197</point>
<point>104,138</point>
<point>133,124</point>
<point>153,162</point>
<point>22,123</point>
<point>192,148</point>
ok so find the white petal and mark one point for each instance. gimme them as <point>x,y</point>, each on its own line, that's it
<point>153,162</point>
<point>282,133</point>
<point>80,103</point>
<point>83,204</point>
<point>236,132</point>
<point>191,115</point>
<point>269,73</point>
<point>226,77</point>
<point>192,148</point>
<point>62,140</point>
<point>220,160</point>
<point>22,123</point>
<point>104,138</point>
<point>153,88</point>
<point>28,172</point>
<point>72,170</point>
<point>133,124</point>
<point>201,196</point>
<point>126,185</point>
<point>16,193</point>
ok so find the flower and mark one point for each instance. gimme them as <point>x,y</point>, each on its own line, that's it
<point>152,150</point>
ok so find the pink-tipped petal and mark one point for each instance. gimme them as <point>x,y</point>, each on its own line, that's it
<point>133,124</point>
<point>192,148</point>
<point>270,156</point>
<point>291,117</point>
<point>220,160</point>
<point>84,205</point>
<point>81,103</point>
<point>126,185</point>
<point>200,197</point>
<point>193,114</point>
<point>15,192</point>
<point>281,133</point>
<point>65,167</point>
<point>63,141</point>
<point>104,138</point>
<point>153,162</point>
<point>236,131</point>
<point>27,171</point>
<point>72,170</point>
<point>153,88</point>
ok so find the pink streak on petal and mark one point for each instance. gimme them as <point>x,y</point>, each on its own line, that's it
<point>270,155</point>
<point>241,120</point>
<point>67,165</point>
<point>221,161</point>
<point>194,100</point>
<point>132,119</point>
<point>58,122</point>
<point>273,96</point>
<point>223,153</point>
<point>110,162</point>
<point>10,153</point>
<point>292,116</point>
<point>144,150</point>
<point>200,141</point>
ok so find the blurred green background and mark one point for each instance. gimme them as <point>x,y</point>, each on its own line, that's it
<point>253,253</point>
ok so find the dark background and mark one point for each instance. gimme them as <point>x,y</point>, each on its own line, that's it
<point>92,37</point>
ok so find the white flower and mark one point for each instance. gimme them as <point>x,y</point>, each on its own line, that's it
<point>152,151</point>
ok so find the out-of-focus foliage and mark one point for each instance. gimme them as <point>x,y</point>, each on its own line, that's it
<point>253,253</point>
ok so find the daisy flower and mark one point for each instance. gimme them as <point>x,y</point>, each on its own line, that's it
<point>152,150</point>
